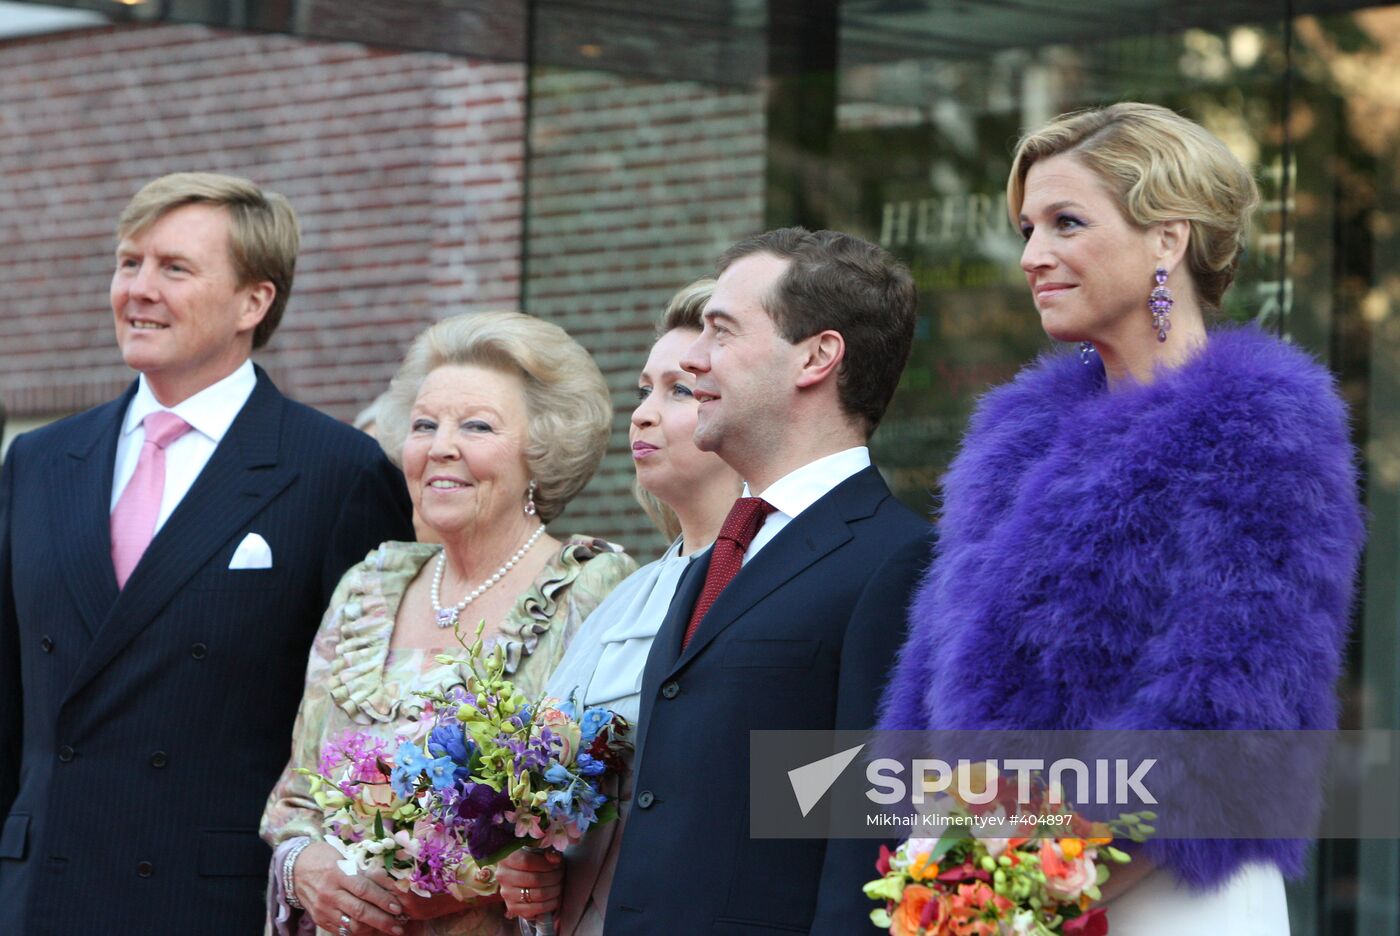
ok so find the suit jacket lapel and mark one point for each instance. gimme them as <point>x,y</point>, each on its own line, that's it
<point>240,478</point>
<point>813,534</point>
<point>80,503</point>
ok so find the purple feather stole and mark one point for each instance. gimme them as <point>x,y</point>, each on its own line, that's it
<point>1173,555</point>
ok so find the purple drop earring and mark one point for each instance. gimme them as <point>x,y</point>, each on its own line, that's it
<point>1159,303</point>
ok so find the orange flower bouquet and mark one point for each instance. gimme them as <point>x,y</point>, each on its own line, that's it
<point>1044,882</point>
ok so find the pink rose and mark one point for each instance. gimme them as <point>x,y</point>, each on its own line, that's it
<point>377,796</point>
<point>562,727</point>
<point>1066,878</point>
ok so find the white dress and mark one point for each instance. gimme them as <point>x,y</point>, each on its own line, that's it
<point>1251,903</point>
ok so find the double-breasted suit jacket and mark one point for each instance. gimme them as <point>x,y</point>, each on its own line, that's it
<point>802,638</point>
<point>141,729</point>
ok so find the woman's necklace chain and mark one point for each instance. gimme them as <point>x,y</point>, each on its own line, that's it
<point>447,617</point>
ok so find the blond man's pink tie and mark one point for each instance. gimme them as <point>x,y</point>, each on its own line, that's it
<point>134,517</point>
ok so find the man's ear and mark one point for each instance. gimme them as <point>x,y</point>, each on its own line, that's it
<point>824,353</point>
<point>1173,237</point>
<point>255,305</point>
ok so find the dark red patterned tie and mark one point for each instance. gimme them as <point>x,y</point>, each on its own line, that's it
<point>727,557</point>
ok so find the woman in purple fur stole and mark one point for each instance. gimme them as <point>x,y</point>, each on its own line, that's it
<point>1160,532</point>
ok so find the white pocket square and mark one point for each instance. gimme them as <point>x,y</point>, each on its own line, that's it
<point>252,553</point>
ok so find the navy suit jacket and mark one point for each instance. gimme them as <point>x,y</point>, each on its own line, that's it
<point>141,730</point>
<point>802,638</point>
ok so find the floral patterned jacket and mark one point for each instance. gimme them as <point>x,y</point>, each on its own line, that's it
<point>354,681</point>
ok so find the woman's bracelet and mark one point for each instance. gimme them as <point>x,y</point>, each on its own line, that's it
<point>288,877</point>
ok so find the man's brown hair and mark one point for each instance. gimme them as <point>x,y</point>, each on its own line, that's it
<point>842,283</point>
<point>263,236</point>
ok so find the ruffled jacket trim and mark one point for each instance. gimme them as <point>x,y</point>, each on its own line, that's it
<point>377,585</point>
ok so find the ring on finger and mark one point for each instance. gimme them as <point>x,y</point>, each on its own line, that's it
<point>524,895</point>
<point>345,922</point>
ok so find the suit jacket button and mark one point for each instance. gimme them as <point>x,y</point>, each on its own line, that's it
<point>145,869</point>
<point>158,759</point>
<point>66,753</point>
<point>199,651</point>
<point>671,690</point>
<point>46,644</point>
<point>645,799</point>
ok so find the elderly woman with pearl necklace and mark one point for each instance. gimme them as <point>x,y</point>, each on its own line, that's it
<point>498,419</point>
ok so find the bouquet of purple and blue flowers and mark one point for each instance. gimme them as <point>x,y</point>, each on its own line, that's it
<point>493,772</point>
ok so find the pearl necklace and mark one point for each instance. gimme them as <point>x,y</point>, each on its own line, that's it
<point>447,617</point>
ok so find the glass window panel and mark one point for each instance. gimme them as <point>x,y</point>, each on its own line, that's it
<point>1345,129</point>
<point>923,149</point>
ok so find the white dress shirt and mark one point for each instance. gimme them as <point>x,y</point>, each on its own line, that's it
<point>797,490</point>
<point>209,412</point>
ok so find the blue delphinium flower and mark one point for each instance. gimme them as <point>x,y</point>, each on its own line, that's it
<point>590,766</point>
<point>450,741</point>
<point>410,757</point>
<point>589,800</point>
<point>560,804</point>
<point>403,781</point>
<point>441,771</point>
<point>593,721</point>
<point>558,774</point>
<point>410,763</point>
<point>569,708</point>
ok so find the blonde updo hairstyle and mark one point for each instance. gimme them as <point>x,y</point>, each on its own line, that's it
<point>685,311</point>
<point>1159,166</point>
<point>566,398</point>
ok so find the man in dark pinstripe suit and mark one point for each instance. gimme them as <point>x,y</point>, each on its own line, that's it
<point>159,591</point>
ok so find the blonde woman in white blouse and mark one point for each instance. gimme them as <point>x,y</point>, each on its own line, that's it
<point>687,493</point>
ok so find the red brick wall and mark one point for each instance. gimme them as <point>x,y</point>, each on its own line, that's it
<point>405,169</point>
<point>636,186</point>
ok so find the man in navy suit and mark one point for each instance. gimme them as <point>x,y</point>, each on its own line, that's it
<point>803,345</point>
<point>164,563</point>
